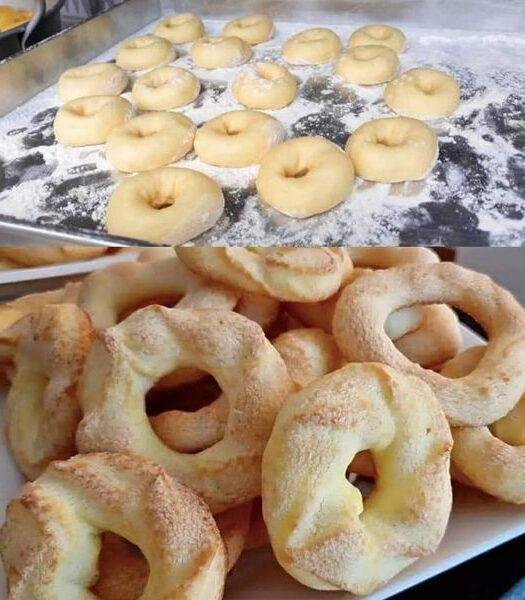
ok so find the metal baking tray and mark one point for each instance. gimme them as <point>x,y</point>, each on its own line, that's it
<point>474,197</point>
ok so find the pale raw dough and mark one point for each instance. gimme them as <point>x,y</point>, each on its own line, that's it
<point>220,52</point>
<point>266,86</point>
<point>312,47</point>
<point>145,52</point>
<point>254,29</point>
<point>165,88</point>
<point>305,176</point>
<point>181,28</point>
<point>382,35</point>
<point>99,79</point>
<point>367,65</point>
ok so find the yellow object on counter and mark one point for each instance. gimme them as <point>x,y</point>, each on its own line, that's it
<point>11,17</point>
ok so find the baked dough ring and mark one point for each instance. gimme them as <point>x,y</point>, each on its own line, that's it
<point>165,88</point>
<point>98,79</point>
<point>37,256</point>
<point>384,258</point>
<point>51,539</point>
<point>305,176</point>
<point>494,386</point>
<point>492,458</point>
<point>423,94</point>
<point>238,138</point>
<point>145,52</point>
<point>89,121</point>
<point>42,410</point>
<point>367,65</point>
<point>181,28</point>
<point>322,531</point>
<point>150,141</point>
<point>287,274</point>
<point>267,86</point>
<point>382,35</point>
<point>311,47</point>
<point>219,52</point>
<point>254,29</point>
<point>128,359</point>
<point>393,149</point>
<point>165,206</point>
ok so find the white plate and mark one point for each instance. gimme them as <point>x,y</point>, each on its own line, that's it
<point>476,525</point>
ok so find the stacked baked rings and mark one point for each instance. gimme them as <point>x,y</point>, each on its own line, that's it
<point>145,52</point>
<point>98,79</point>
<point>165,88</point>
<point>268,86</point>
<point>311,47</point>
<point>220,52</point>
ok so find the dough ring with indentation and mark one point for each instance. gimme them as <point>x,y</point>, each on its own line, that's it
<point>423,94</point>
<point>165,88</point>
<point>287,274</point>
<point>220,52</point>
<point>150,141</point>
<point>367,65</point>
<point>253,29</point>
<point>128,359</point>
<point>42,409</point>
<point>265,86</point>
<point>322,531</point>
<point>491,458</point>
<point>238,138</point>
<point>494,386</point>
<point>393,149</point>
<point>52,536</point>
<point>311,47</point>
<point>145,52</point>
<point>165,206</point>
<point>305,176</point>
<point>383,35</point>
<point>90,120</point>
<point>181,28</point>
<point>99,79</point>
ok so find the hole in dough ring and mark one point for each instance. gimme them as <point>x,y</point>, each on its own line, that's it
<point>305,176</point>
<point>492,458</point>
<point>423,94</point>
<point>145,52</point>
<point>165,206</point>
<point>267,86</point>
<point>181,28</point>
<point>89,121</point>
<point>238,138</point>
<point>322,531</point>
<point>494,386</point>
<point>311,47</point>
<point>367,65</point>
<point>165,88</point>
<point>220,52</point>
<point>254,29</point>
<point>393,149</point>
<point>383,35</point>
<point>130,358</point>
<point>99,79</point>
<point>60,518</point>
<point>150,141</point>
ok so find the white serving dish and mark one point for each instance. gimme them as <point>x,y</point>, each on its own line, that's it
<point>477,524</point>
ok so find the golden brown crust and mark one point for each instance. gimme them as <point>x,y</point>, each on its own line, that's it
<point>51,255</point>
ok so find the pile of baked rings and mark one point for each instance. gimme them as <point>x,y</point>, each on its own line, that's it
<point>299,177</point>
<point>331,364</point>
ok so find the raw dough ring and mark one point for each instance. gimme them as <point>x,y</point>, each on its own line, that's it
<point>52,536</point>
<point>165,88</point>
<point>145,52</point>
<point>423,94</point>
<point>287,274</point>
<point>383,35</point>
<point>42,410</point>
<point>268,86</point>
<point>494,386</point>
<point>165,206</point>
<point>90,121</point>
<point>150,141</point>
<point>181,28</point>
<point>130,358</point>
<point>393,149</point>
<point>99,79</point>
<point>311,47</point>
<point>238,138</point>
<point>220,52</point>
<point>322,531</point>
<point>367,65</point>
<point>492,458</point>
<point>254,29</point>
<point>305,176</point>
